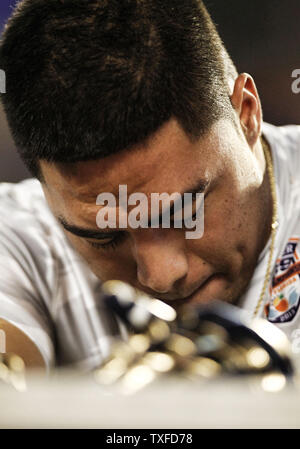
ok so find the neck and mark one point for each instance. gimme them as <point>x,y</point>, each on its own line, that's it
<point>267,200</point>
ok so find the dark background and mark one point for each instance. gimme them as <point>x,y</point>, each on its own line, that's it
<point>263,38</point>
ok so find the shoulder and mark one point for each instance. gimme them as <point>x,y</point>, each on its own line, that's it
<point>285,135</point>
<point>24,199</point>
<point>25,218</point>
<point>285,143</point>
<point>29,236</point>
<point>34,250</point>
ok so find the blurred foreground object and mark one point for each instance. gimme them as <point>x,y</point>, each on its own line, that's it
<point>201,342</point>
<point>206,367</point>
<point>12,371</point>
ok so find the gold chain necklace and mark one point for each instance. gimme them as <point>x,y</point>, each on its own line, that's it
<point>274,226</point>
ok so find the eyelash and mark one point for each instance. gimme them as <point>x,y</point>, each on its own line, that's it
<point>109,245</point>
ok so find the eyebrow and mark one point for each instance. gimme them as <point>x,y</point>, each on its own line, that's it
<point>199,187</point>
<point>95,234</point>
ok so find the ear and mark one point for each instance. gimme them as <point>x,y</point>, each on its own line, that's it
<point>245,101</point>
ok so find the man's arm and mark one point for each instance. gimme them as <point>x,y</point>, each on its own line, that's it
<point>20,344</point>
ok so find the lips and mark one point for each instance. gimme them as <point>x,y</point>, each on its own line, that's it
<point>190,298</point>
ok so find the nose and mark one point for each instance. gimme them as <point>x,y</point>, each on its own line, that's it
<point>161,260</point>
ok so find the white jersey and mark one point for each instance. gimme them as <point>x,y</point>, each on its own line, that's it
<point>48,291</point>
<point>282,298</point>
<point>46,288</point>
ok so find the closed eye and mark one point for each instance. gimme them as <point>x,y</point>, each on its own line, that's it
<point>110,244</point>
<point>195,209</point>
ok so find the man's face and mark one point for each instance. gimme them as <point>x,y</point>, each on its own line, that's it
<point>162,262</point>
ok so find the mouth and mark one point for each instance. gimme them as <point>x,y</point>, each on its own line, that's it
<point>194,297</point>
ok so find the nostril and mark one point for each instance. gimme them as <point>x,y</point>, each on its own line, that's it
<point>160,268</point>
<point>160,290</point>
<point>159,284</point>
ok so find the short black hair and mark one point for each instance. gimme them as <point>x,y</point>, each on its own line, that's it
<point>89,78</point>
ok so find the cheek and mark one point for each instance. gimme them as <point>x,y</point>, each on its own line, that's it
<point>222,219</point>
<point>225,229</point>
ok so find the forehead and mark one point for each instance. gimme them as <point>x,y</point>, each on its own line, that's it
<point>168,162</point>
